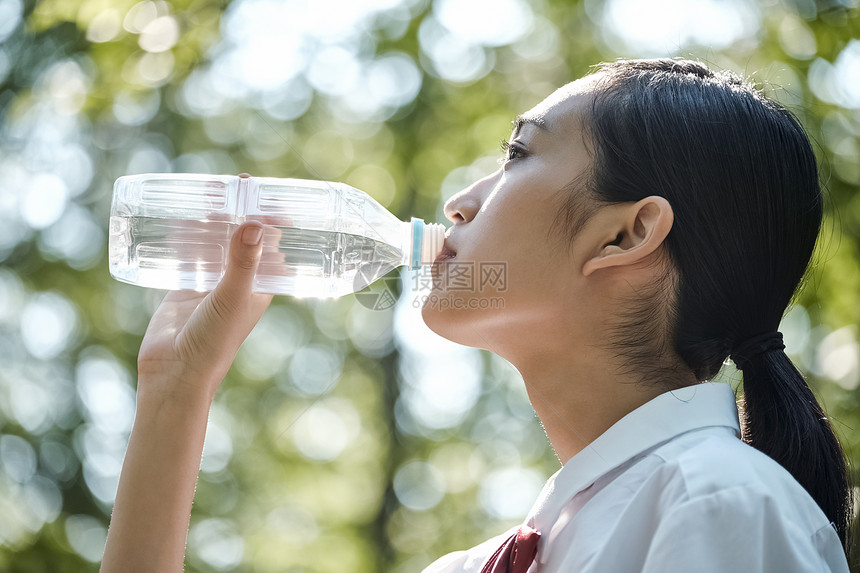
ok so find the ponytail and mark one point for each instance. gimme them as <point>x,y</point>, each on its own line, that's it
<point>782,419</point>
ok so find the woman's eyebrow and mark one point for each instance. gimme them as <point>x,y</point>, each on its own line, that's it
<point>521,120</point>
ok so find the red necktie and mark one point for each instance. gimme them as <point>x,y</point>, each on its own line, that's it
<point>516,554</point>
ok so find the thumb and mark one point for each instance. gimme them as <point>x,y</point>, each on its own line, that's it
<point>244,256</point>
<point>222,321</point>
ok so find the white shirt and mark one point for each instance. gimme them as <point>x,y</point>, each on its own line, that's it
<point>671,488</point>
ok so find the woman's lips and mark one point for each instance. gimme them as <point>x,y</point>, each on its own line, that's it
<point>446,253</point>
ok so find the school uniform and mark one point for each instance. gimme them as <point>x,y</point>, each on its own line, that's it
<point>669,488</point>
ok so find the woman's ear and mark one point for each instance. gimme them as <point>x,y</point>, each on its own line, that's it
<point>632,233</point>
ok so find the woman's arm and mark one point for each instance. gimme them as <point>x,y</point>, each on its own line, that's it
<point>153,503</point>
<point>186,352</point>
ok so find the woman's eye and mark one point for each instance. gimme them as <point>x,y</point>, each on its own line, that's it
<point>511,151</point>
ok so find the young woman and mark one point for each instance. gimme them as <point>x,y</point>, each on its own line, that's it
<point>654,219</point>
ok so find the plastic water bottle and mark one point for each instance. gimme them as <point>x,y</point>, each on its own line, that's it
<point>172,231</point>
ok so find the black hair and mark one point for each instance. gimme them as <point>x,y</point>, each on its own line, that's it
<point>741,177</point>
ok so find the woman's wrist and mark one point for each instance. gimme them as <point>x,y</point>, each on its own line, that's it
<point>185,389</point>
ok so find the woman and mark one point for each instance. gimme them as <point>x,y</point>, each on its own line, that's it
<point>654,218</point>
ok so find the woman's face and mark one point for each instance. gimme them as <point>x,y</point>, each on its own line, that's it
<point>509,274</point>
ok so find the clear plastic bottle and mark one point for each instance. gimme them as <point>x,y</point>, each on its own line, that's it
<point>172,231</point>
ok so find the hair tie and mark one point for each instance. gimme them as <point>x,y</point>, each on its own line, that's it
<point>755,346</point>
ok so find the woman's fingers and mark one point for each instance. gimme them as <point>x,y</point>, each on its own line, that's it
<point>217,328</point>
<point>193,337</point>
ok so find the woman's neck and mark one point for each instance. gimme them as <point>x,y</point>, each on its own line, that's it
<point>578,399</point>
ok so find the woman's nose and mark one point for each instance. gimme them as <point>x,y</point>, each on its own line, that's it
<point>462,207</point>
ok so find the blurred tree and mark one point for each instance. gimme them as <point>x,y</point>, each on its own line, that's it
<point>341,440</point>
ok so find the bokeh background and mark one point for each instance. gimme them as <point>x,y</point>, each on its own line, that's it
<point>344,438</point>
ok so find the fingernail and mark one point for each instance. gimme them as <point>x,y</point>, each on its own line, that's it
<point>252,235</point>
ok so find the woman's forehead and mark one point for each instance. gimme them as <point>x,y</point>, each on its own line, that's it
<point>559,104</point>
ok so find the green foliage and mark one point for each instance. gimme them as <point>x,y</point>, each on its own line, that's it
<point>349,477</point>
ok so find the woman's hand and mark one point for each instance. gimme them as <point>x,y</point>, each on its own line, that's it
<point>188,347</point>
<point>193,337</point>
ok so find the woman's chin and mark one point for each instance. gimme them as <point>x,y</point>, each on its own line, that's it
<point>433,315</point>
<point>451,322</point>
<point>441,318</point>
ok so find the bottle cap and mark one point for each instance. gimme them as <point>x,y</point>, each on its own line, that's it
<point>427,240</point>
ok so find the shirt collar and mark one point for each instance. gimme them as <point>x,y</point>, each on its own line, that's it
<point>668,415</point>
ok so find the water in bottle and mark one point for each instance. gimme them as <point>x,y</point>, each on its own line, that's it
<point>322,239</point>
